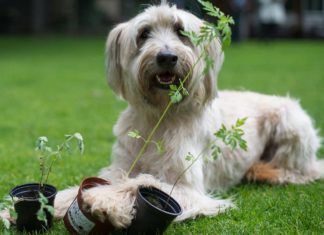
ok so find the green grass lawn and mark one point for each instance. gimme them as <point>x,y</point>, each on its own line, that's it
<point>54,86</point>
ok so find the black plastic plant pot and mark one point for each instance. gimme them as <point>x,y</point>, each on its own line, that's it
<point>27,206</point>
<point>155,210</point>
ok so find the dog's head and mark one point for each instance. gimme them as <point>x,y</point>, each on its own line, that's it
<point>148,53</point>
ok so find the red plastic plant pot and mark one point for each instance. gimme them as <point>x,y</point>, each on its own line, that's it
<point>79,221</point>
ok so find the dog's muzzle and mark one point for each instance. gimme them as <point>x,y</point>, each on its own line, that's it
<point>166,61</point>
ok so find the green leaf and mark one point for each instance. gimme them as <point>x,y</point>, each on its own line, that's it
<point>41,215</point>
<point>175,96</point>
<point>189,157</point>
<point>240,122</point>
<point>50,209</point>
<point>209,63</point>
<point>233,136</point>
<point>160,147</point>
<point>134,134</point>
<point>42,199</point>
<point>173,87</point>
<point>12,213</point>
<point>41,143</point>
<point>216,151</point>
<point>6,223</point>
<point>78,136</point>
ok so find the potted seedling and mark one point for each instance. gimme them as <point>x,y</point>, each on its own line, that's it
<point>155,209</point>
<point>33,202</point>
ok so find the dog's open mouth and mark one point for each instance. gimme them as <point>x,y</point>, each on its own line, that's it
<point>164,80</point>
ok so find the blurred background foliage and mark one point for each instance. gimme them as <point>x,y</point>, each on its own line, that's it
<point>302,18</point>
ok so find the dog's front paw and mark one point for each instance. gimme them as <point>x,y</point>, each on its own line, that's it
<point>105,203</point>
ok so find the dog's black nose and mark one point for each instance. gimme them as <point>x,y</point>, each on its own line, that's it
<point>166,59</point>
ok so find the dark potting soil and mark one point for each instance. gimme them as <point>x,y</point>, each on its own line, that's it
<point>32,194</point>
<point>155,202</point>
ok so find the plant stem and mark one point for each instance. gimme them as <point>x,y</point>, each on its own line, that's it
<point>42,163</point>
<point>140,153</point>
<point>55,154</point>
<point>49,170</point>
<point>187,168</point>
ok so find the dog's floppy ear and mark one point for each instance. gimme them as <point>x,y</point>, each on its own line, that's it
<point>209,82</point>
<point>215,52</point>
<point>113,60</point>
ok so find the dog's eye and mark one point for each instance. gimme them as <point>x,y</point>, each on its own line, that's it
<point>144,34</point>
<point>178,28</point>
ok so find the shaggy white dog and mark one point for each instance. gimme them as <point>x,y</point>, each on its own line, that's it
<point>144,56</point>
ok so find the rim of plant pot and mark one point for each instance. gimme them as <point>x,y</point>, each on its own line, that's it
<point>169,200</point>
<point>150,218</point>
<point>77,220</point>
<point>28,205</point>
<point>17,189</point>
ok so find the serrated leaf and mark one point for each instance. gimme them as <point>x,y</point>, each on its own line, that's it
<point>189,157</point>
<point>134,134</point>
<point>240,122</point>
<point>41,215</point>
<point>216,151</point>
<point>78,136</point>
<point>176,97</point>
<point>173,87</point>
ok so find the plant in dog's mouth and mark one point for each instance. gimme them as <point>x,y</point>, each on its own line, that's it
<point>208,32</point>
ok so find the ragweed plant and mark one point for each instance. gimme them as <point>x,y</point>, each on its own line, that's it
<point>208,32</point>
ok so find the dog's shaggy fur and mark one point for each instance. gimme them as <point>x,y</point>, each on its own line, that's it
<point>281,138</point>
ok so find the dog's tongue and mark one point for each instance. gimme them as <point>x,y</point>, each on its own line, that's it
<point>165,78</point>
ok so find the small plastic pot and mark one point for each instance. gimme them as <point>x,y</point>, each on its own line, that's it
<point>79,221</point>
<point>155,210</point>
<point>27,206</point>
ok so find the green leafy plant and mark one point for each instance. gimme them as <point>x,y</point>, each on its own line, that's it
<point>232,137</point>
<point>7,204</point>
<point>48,156</point>
<point>41,213</point>
<point>208,32</point>
<point>158,144</point>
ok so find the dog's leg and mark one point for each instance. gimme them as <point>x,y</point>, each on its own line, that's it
<point>65,197</point>
<point>263,173</point>
<point>63,201</point>
<point>115,202</point>
<point>294,145</point>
